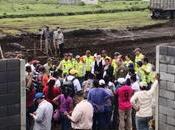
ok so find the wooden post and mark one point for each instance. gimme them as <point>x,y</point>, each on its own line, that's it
<point>1,52</point>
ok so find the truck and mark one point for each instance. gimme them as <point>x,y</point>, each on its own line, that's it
<point>162,8</point>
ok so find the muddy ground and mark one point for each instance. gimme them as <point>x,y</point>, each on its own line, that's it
<point>77,41</point>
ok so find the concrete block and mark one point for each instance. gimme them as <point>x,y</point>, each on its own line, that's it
<point>171,121</point>
<point>166,94</point>
<point>170,127</point>
<point>163,50</point>
<point>162,101</point>
<point>13,76</point>
<point>171,104</point>
<point>3,111</point>
<point>162,125</point>
<point>13,109</point>
<point>163,67</point>
<point>2,65</point>
<point>10,121</point>
<point>171,86</point>
<point>171,69</point>
<point>162,110</point>
<point>13,87</point>
<point>164,59</point>
<point>13,64</point>
<point>170,112</point>
<point>171,51</point>
<point>163,84</point>
<point>162,118</point>
<point>9,99</point>
<point>3,88</point>
<point>171,60</point>
<point>3,77</point>
<point>166,76</point>
<point>16,127</point>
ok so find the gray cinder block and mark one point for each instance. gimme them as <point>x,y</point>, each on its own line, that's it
<point>3,77</point>
<point>13,64</point>
<point>13,87</point>
<point>171,86</point>
<point>2,65</point>
<point>163,50</point>
<point>166,94</point>
<point>163,84</point>
<point>13,76</point>
<point>162,101</point>
<point>171,69</point>
<point>171,51</point>
<point>163,67</point>
<point>166,76</point>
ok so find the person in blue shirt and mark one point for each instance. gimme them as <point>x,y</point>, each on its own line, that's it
<point>98,97</point>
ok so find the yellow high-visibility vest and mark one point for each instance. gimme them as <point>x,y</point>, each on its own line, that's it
<point>88,62</point>
<point>80,67</point>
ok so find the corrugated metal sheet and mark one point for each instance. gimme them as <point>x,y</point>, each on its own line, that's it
<point>163,4</point>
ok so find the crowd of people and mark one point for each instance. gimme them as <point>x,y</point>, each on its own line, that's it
<point>91,92</point>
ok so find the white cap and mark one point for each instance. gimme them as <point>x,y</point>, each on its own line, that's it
<point>101,82</point>
<point>77,57</point>
<point>121,80</point>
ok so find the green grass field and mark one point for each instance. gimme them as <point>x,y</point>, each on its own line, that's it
<point>18,8</point>
<point>90,21</point>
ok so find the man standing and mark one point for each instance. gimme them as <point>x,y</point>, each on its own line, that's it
<point>47,40</point>
<point>43,115</point>
<point>124,94</point>
<point>58,42</point>
<point>82,115</point>
<point>142,102</point>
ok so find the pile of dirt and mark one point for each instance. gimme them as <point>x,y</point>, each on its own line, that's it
<point>78,41</point>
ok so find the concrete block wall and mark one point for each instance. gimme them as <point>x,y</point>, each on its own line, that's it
<point>11,85</point>
<point>166,92</point>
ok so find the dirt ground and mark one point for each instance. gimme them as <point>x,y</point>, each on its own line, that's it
<point>77,41</point>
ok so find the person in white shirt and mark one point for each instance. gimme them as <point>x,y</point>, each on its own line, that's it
<point>142,102</point>
<point>134,83</point>
<point>58,41</point>
<point>82,115</point>
<point>43,115</point>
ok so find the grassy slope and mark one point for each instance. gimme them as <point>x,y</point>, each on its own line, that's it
<point>110,20</point>
<point>19,7</point>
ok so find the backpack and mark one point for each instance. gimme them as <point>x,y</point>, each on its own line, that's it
<point>67,85</point>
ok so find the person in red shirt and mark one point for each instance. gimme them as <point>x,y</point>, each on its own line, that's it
<point>50,91</point>
<point>124,94</point>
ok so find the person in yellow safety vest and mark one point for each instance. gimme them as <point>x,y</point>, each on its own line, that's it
<point>138,55</point>
<point>127,61</point>
<point>71,61</point>
<point>88,60</point>
<point>140,72</point>
<point>64,64</point>
<point>115,60</point>
<point>80,67</point>
<point>147,68</point>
